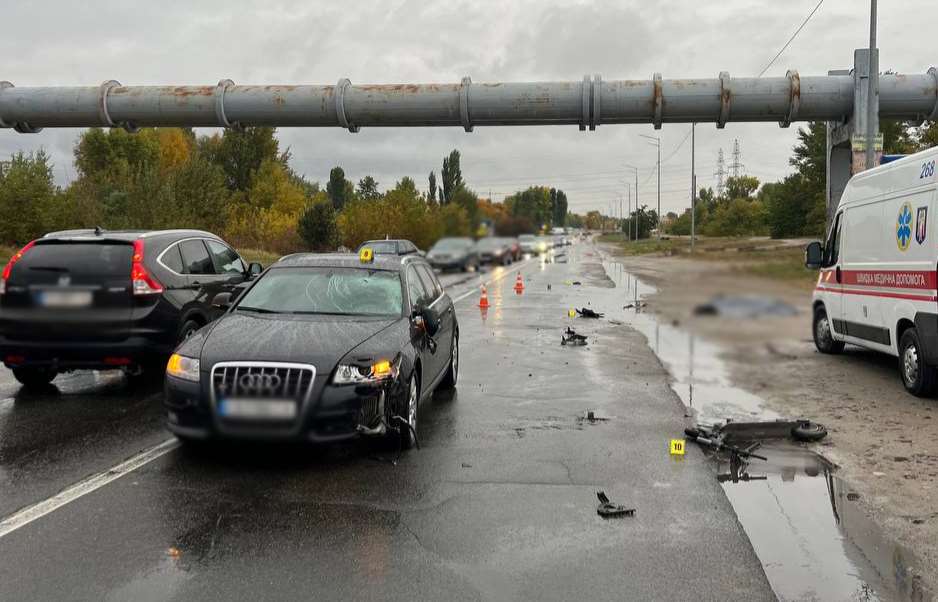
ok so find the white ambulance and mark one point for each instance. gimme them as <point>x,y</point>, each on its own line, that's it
<point>878,287</point>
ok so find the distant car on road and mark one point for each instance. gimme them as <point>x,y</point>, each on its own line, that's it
<point>319,348</point>
<point>528,243</point>
<point>110,299</point>
<point>390,247</point>
<point>514,248</point>
<point>493,251</point>
<point>454,254</point>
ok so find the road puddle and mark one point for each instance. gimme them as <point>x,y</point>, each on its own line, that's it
<point>805,523</point>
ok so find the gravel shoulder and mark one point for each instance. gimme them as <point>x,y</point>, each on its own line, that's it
<point>884,440</point>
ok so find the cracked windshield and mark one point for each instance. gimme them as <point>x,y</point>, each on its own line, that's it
<point>488,300</point>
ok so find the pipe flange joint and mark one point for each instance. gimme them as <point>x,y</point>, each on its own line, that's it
<point>794,98</point>
<point>340,114</point>
<point>585,90</point>
<point>934,114</point>
<point>464,103</point>
<point>3,86</point>
<point>726,97</point>
<point>103,90</point>
<point>597,96</point>
<point>657,99</point>
<point>22,127</point>
<point>220,90</point>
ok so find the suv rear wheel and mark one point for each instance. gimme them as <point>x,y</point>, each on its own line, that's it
<point>823,334</point>
<point>34,378</point>
<point>918,377</point>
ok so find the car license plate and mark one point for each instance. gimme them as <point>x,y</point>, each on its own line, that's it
<point>257,409</point>
<point>64,298</point>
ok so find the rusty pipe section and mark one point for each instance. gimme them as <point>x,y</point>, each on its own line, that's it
<point>587,103</point>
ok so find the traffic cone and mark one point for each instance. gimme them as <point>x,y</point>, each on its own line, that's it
<point>519,284</point>
<point>484,299</point>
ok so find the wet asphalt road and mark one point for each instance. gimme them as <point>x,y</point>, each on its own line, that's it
<point>498,504</point>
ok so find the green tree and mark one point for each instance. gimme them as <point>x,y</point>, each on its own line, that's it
<point>241,153</point>
<point>431,193</point>
<point>559,217</point>
<point>533,204</point>
<point>368,189</point>
<point>742,187</point>
<point>810,156</point>
<point>469,201</point>
<point>29,198</point>
<point>317,226</point>
<point>339,189</point>
<point>452,176</point>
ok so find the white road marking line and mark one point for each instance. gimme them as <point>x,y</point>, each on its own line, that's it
<point>473,291</point>
<point>27,515</point>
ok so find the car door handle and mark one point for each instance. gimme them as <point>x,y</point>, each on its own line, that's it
<point>837,274</point>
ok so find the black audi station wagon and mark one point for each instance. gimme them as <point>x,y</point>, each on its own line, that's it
<point>318,348</point>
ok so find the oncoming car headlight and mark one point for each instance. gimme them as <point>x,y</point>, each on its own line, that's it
<point>378,372</point>
<point>180,366</point>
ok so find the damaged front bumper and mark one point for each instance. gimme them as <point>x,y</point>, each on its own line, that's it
<point>337,413</point>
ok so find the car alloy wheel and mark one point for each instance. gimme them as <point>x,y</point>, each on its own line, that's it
<point>454,359</point>
<point>409,430</point>
<point>910,365</point>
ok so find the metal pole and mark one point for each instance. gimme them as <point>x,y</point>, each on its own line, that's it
<point>588,103</point>
<point>628,187</point>
<point>693,187</point>
<point>871,94</point>
<point>658,225</point>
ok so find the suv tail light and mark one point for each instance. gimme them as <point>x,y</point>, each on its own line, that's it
<point>141,280</point>
<point>9,266</point>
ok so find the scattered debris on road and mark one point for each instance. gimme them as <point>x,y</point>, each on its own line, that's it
<point>570,337</point>
<point>638,305</point>
<point>607,509</point>
<point>744,307</point>
<point>577,283</point>
<point>589,313</point>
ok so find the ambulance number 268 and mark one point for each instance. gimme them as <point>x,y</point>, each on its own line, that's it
<point>928,170</point>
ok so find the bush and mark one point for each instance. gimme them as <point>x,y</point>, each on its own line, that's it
<point>317,226</point>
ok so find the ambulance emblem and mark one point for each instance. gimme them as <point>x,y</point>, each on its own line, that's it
<point>904,227</point>
<point>921,224</point>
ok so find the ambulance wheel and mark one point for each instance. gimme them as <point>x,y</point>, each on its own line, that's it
<point>823,334</point>
<point>918,377</point>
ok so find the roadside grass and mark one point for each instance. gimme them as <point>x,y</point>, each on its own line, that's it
<point>265,258</point>
<point>771,259</point>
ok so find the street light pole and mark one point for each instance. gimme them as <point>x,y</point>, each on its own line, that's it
<point>693,188</point>
<point>871,93</point>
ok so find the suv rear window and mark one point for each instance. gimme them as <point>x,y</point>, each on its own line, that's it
<point>195,258</point>
<point>49,261</point>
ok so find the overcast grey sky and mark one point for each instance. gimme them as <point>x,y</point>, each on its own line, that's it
<point>375,41</point>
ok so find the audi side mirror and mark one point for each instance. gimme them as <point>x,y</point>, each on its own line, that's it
<point>222,301</point>
<point>813,255</point>
<point>254,269</point>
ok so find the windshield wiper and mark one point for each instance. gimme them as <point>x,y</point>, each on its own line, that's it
<point>259,310</point>
<point>320,313</point>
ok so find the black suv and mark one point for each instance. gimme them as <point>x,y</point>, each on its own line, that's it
<point>110,299</point>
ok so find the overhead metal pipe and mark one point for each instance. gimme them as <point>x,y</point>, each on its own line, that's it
<point>587,103</point>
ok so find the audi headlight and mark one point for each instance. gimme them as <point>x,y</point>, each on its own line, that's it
<point>180,366</point>
<point>378,372</point>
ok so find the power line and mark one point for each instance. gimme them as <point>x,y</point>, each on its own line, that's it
<point>791,39</point>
